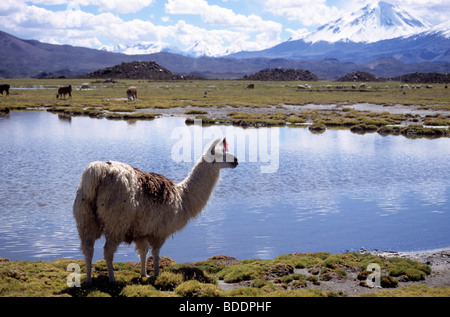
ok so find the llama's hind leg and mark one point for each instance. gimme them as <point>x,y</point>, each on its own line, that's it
<point>87,247</point>
<point>142,247</point>
<point>109,250</point>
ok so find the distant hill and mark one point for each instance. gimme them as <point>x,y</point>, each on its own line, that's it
<point>425,78</point>
<point>136,70</point>
<point>360,77</point>
<point>29,58</point>
<point>283,74</point>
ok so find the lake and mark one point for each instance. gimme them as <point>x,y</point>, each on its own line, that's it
<point>293,191</point>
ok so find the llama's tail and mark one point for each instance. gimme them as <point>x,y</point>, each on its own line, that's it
<point>85,204</point>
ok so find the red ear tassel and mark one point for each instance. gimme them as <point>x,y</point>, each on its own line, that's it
<point>225,146</point>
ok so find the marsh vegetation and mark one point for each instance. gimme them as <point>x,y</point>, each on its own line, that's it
<point>268,104</point>
<point>297,274</point>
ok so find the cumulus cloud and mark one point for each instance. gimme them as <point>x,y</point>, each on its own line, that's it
<point>118,6</point>
<point>219,16</point>
<point>307,12</point>
<point>229,32</point>
<point>432,11</point>
<point>244,32</point>
<point>97,23</point>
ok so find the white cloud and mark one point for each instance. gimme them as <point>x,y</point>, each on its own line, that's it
<point>118,6</point>
<point>75,27</point>
<point>121,6</point>
<point>219,16</point>
<point>297,34</point>
<point>221,29</point>
<point>432,11</point>
<point>306,12</point>
<point>244,32</point>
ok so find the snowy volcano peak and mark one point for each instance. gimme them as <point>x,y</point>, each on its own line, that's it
<point>375,22</point>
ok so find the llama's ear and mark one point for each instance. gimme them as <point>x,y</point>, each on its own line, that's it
<point>212,148</point>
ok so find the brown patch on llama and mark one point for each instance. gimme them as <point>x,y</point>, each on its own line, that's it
<point>156,187</point>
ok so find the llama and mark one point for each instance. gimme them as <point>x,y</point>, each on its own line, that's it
<point>128,205</point>
<point>132,93</point>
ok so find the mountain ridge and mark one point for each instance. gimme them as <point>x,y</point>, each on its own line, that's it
<point>30,58</point>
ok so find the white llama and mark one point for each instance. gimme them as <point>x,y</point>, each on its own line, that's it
<point>128,205</point>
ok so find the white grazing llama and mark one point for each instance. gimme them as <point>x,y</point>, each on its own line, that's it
<point>128,205</point>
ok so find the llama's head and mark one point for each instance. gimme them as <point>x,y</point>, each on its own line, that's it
<point>217,154</point>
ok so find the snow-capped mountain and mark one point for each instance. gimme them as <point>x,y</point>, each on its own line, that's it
<point>195,50</point>
<point>379,30</point>
<point>140,48</point>
<point>442,30</point>
<point>199,48</point>
<point>375,22</point>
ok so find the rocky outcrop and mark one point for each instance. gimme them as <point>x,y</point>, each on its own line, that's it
<point>424,78</point>
<point>136,70</point>
<point>360,77</point>
<point>283,74</point>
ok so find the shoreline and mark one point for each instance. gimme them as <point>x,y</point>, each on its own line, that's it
<point>315,279</point>
<point>222,111</point>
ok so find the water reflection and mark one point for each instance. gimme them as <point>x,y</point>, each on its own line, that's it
<point>333,192</point>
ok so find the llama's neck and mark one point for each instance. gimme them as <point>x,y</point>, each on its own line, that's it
<point>197,187</point>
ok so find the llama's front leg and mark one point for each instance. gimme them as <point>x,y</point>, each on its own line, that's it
<point>109,250</point>
<point>142,247</point>
<point>155,254</point>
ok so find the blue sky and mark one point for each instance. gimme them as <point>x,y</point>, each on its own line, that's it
<point>218,26</point>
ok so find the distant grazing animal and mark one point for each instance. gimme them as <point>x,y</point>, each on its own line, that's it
<point>63,91</point>
<point>250,86</point>
<point>128,205</point>
<point>4,111</point>
<point>84,86</point>
<point>132,93</point>
<point>362,86</point>
<point>303,87</point>
<point>429,86</point>
<point>405,86</point>
<point>4,87</point>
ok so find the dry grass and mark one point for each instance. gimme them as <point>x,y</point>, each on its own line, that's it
<point>257,277</point>
<point>109,100</point>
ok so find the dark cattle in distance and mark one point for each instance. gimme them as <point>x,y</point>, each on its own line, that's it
<point>63,91</point>
<point>4,87</point>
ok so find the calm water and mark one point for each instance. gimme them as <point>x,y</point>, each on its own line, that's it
<point>333,192</point>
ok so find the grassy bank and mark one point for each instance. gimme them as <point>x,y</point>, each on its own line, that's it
<point>205,93</point>
<point>297,274</point>
<point>204,98</point>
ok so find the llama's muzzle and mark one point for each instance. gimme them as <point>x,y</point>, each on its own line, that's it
<point>235,163</point>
